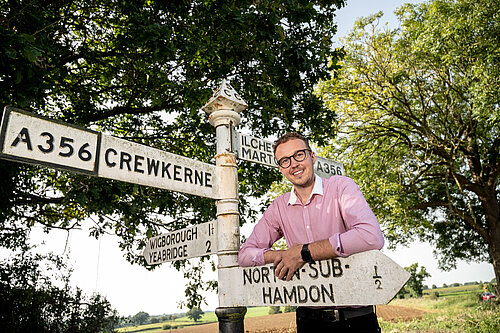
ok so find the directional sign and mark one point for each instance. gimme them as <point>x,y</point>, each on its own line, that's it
<point>135,163</point>
<point>36,140</point>
<point>366,278</point>
<point>29,138</point>
<point>196,241</point>
<point>261,151</point>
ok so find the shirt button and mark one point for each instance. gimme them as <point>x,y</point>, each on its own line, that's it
<point>307,227</point>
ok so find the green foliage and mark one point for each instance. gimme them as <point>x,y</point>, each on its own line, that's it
<point>419,125</point>
<point>274,310</point>
<point>415,284</point>
<point>141,70</point>
<point>457,314</point>
<point>33,301</point>
<point>289,308</point>
<point>140,318</point>
<point>195,314</point>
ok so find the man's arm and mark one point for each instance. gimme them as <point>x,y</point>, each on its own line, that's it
<point>290,260</point>
<point>263,236</point>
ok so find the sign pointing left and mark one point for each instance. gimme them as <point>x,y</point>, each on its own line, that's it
<point>29,138</point>
<point>195,241</point>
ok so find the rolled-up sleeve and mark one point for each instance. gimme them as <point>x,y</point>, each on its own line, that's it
<point>362,228</point>
<point>263,236</point>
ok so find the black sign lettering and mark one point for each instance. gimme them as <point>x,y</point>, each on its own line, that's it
<point>153,166</point>
<point>138,164</point>
<point>23,136</point>
<point>49,142</point>
<point>125,159</point>
<point>106,157</point>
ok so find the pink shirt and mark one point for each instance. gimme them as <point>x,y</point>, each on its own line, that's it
<point>336,210</point>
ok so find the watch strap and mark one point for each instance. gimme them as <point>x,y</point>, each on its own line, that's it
<point>305,253</point>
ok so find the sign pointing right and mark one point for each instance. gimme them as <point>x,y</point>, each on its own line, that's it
<point>367,278</point>
<point>260,151</point>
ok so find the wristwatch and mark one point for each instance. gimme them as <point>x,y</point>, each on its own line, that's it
<point>306,254</point>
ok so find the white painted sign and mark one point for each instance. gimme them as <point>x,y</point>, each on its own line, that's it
<point>327,168</point>
<point>366,278</point>
<point>135,163</point>
<point>29,138</point>
<point>196,241</point>
<point>256,150</point>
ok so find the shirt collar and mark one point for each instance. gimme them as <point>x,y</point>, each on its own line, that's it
<point>317,189</point>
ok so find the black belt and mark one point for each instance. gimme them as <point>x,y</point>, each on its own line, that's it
<point>333,315</point>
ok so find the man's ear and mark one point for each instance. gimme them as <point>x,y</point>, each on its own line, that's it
<point>313,156</point>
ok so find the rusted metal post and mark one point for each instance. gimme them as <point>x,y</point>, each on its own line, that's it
<point>223,108</point>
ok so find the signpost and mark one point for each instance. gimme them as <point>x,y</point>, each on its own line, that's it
<point>261,151</point>
<point>361,279</point>
<point>195,241</point>
<point>366,278</point>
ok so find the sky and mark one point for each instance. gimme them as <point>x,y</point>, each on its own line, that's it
<point>100,266</point>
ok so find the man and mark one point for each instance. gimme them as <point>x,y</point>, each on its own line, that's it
<point>320,219</point>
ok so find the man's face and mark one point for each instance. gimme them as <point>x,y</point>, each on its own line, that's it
<point>300,174</point>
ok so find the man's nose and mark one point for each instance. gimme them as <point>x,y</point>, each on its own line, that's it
<point>293,162</point>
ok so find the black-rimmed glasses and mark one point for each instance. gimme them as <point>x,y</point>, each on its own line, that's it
<point>299,156</point>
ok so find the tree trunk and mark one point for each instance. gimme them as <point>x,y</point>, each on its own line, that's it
<point>492,210</point>
<point>495,255</point>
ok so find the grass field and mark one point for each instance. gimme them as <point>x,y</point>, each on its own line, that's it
<point>457,309</point>
<point>458,313</point>
<point>455,291</point>
<point>207,317</point>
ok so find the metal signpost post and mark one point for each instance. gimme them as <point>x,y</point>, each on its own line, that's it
<point>223,108</point>
<point>364,278</point>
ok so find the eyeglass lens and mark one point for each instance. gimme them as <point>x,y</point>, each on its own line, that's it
<point>299,156</point>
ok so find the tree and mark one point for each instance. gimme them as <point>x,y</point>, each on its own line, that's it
<point>195,313</point>
<point>419,125</point>
<point>140,318</point>
<point>274,310</point>
<point>415,284</point>
<point>32,301</point>
<point>141,70</point>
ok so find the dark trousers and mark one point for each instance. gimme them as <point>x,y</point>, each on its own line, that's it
<point>319,320</point>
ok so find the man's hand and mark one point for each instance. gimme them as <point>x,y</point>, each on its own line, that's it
<point>286,262</point>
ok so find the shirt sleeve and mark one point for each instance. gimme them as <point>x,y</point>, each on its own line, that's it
<point>265,233</point>
<point>362,228</point>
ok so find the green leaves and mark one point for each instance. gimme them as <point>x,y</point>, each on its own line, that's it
<point>141,70</point>
<point>417,133</point>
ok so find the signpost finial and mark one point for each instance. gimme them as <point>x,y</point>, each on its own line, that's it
<point>225,98</point>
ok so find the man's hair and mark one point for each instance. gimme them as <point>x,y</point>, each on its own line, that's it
<point>290,136</point>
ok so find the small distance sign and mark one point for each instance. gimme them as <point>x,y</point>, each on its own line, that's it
<point>33,139</point>
<point>196,241</point>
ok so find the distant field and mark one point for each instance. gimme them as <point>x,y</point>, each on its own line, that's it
<point>455,291</point>
<point>207,317</point>
<point>458,294</point>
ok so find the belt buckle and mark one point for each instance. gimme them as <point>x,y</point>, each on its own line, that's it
<point>333,315</point>
<point>336,314</point>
